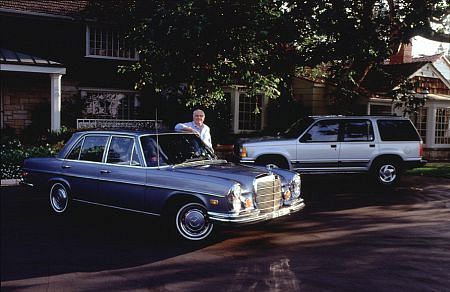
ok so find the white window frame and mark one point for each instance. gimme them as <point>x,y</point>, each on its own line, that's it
<point>110,32</point>
<point>235,93</point>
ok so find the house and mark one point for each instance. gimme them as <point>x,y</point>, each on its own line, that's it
<point>428,72</point>
<point>53,53</point>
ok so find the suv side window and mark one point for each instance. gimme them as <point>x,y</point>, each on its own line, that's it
<point>322,131</point>
<point>397,130</point>
<point>357,131</point>
<point>93,148</point>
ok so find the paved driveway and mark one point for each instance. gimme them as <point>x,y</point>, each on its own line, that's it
<point>349,238</point>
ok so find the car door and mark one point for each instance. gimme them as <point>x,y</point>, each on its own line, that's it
<point>357,144</point>
<point>122,177</point>
<point>81,167</point>
<point>318,148</point>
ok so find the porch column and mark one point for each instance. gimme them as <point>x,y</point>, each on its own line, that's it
<point>55,102</point>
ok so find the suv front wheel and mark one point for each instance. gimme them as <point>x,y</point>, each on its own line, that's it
<point>386,173</point>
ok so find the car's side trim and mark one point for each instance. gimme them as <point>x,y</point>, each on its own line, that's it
<point>145,185</point>
<point>115,207</point>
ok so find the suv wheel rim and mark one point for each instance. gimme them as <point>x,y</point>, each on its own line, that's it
<point>192,222</point>
<point>387,173</point>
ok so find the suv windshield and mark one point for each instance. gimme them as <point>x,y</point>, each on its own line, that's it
<point>297,128</point>
<point>175,149</point>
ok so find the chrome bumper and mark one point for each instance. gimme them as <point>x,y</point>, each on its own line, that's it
<point>254,216</point>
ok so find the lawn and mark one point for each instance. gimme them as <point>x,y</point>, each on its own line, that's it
<point>437,169</point>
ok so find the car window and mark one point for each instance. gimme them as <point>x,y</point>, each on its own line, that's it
<point>357,130</point>
<point>151,154</point>
<point>135,157</point>
<point>322,131</point>
<point>175,149</point>
<point>120,150</point>
<point>297,128</point>
<point>93,147</point>
<point>397,130</point>
<point>75,153</point>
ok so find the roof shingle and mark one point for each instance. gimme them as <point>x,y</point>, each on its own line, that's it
<point>58,8</point>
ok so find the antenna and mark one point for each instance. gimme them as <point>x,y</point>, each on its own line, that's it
<point>157,136</point>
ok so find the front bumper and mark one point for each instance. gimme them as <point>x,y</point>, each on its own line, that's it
<point>255,216</point>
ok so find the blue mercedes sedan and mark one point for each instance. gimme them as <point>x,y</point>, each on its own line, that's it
<point>168,174</point>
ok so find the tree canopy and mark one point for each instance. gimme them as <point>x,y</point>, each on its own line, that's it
<point>195,48</point>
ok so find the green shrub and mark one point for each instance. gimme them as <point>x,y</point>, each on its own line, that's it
<point>12,154</point>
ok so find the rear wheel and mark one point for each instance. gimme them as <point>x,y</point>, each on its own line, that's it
<point>59,198</point>
<point>386,173</point>
<point>192,221</point>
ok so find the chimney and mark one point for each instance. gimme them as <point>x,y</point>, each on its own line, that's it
<point>404,55</point>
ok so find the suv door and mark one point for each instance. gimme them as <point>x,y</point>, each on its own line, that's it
<point>357,144</point>
<point>318,148</point>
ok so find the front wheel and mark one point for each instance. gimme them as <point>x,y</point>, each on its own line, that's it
<point>386,173</point>
<point>192,222</point>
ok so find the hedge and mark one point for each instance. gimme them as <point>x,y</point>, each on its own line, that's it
<point>12,155</point>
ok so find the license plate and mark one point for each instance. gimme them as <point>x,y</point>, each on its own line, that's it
<point>280,212</point>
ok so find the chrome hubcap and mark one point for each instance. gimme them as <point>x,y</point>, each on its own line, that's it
<point>387,173</point>
<point>192,222</point>
<point>58,198</point>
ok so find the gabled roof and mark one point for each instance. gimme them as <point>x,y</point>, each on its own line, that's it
<point>61,8</point>
<point>382,82</point>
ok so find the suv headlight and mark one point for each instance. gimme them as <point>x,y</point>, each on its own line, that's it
<point>295,186</point>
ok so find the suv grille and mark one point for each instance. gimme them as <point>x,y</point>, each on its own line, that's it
<point>268,193</point>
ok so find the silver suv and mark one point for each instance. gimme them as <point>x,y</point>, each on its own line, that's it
<point>382,146</point>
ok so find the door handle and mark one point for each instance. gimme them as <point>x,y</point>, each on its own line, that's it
<point>372,145</point>
<point>105,171</point>
<point>333,146</point>
<point>65,166</point>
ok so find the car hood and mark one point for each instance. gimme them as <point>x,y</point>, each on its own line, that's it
<point>245,175</point>
<point>234,172</point>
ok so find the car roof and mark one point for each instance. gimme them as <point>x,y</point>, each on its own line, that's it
<point>137,132</point>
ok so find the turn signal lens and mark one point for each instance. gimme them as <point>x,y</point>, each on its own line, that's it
<point>248,203</point>
<point>287,195</point>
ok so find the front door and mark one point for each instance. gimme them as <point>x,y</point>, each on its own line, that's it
<point>318,148</point>
<point>122,178</point>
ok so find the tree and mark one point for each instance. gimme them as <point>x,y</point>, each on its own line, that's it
<point>194,48</point>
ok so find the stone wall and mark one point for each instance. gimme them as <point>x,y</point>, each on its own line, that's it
<point>21,94</point>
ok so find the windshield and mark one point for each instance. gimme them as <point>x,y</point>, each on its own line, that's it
<point>175,149</point>
<point>297,128</point>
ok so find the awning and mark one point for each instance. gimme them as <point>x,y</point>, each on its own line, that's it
<point>20,62</point>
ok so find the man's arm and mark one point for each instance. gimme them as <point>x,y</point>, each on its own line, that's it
<point>182,127</point>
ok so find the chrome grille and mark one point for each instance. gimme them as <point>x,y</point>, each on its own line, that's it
<point>268,193</point>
